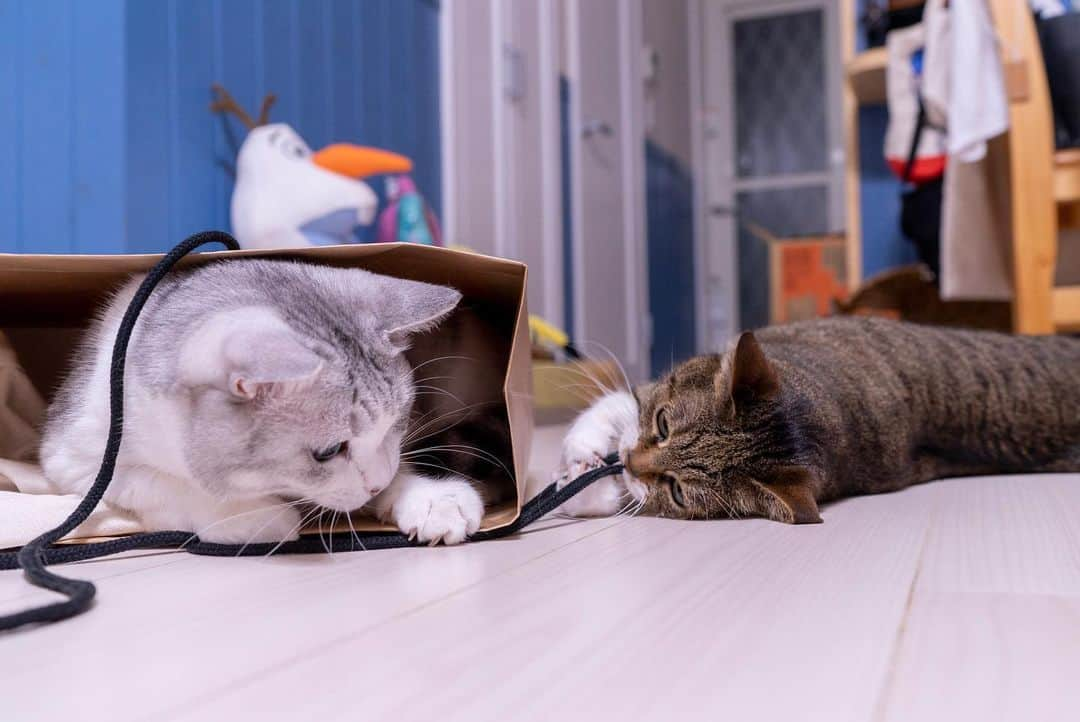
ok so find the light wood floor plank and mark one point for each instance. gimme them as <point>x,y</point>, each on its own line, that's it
<point>956,600</point>
<point>209,622</point>
<point>987,657</point>
<point>1011,534</point>
<point>649,619</point>
<point>993,632</point>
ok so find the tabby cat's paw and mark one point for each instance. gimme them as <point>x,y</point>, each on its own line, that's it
<point>446,510</point>
<point>604,497</point>
<point>609,425</point>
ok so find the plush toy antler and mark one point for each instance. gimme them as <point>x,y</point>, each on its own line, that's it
<point>225,103</point>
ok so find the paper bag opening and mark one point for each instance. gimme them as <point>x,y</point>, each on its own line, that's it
<point>474,367</point>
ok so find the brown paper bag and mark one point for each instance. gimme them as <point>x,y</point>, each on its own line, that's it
<point>480,355</point>
<point>21,408</point>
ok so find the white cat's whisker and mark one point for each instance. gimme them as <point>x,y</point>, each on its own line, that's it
<point>348,517</point>
<point>333,525</point>
<point>422,423</point>
<point>412,437</point>
<point>269,521</point>
<point>299,525</point>
<point>464,449</point>
<point>434,378</point>
<point>440,467</point>
<point>489,458</point>
<point>197,534</point>
<point>322,540</point>
<point>421,390</point>
<point>441,358</point>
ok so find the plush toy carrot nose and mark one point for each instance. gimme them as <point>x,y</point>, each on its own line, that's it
<point>357,161</point>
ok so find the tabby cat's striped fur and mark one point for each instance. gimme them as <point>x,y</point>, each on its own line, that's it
<point>799,414</point>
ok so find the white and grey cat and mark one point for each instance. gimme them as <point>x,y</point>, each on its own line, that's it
<point>251,385</point>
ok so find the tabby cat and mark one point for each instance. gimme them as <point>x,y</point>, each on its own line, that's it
<point>797,415</point>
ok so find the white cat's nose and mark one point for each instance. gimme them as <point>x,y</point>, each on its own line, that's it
<point>371,487</point>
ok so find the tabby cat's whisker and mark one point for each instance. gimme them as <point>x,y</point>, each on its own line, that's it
<point>594,381</point>
<point>580,392</point>
<point>615,359</point>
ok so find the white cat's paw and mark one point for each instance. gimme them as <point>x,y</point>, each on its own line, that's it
<point>253,526</point>
<point>446,510</point>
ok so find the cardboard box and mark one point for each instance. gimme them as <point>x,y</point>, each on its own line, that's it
<point>47,301</point>
<point>805,276</point>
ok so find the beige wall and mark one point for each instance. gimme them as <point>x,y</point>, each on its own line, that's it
<point>667,95</point>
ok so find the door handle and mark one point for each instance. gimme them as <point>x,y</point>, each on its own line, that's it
<point>596,127</point>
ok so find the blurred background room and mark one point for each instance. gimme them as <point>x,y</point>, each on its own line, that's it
<point>672,171</point>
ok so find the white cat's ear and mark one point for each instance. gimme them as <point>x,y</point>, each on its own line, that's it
<point>409,307</point>
<point>268,363</point>
<point>248,353</point>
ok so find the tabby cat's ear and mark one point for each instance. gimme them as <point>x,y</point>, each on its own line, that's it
<point>752,377</point>
<point>643,392</point>
<point>793,487</point>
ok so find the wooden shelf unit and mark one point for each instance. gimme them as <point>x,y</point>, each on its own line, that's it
<point>866,76</point>
<point>1045,184</point>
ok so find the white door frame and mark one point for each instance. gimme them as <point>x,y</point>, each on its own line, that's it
<point>488,105</point>
<point>716,239</point>
<point>551,232</point>
<point>635,291</point>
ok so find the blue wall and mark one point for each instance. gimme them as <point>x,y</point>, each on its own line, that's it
<point>669,200</point>
<point>62,126</point>
<point>106,141</point>
<point>883,245</point>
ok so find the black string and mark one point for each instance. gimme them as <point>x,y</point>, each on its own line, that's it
<point>42,551</point>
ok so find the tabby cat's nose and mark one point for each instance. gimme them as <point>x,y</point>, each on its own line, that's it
<point>640,463</point>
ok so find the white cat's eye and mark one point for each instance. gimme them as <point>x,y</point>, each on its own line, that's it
<point>661,425</point>
<point>322,455</point>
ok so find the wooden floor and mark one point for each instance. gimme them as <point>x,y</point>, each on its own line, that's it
<point>958,600</point>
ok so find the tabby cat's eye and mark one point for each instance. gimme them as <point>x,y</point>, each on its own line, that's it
<point>661,425</point>
<point>676,489</point>
<point>323,455</point>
